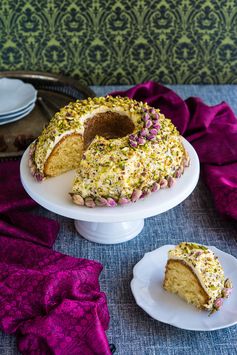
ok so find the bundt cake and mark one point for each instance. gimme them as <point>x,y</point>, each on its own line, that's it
<point>196,275</point>
<point>122,149</point>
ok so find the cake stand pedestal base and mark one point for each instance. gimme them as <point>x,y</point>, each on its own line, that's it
<point>109,233</point>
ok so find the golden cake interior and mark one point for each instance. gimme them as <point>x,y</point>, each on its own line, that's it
<point>65,156</point>
<point>67,153</point>
<point>180,279</point>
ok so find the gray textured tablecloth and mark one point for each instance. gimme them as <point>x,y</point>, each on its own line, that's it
<point>131,330</point>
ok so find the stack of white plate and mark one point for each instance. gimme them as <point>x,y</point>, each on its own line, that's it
<point>17,100</point>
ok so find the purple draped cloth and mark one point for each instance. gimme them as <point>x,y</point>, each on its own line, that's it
<point>51,301</point>
<point>212,130</point>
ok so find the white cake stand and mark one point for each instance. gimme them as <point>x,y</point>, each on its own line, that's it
<point>108,225</point>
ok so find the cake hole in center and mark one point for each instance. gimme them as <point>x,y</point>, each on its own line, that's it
<point>109,125</point>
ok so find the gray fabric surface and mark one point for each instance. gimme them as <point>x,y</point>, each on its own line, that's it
<point>131,330</point>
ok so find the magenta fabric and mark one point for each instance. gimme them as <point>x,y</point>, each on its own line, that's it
<point>51,301</point>
<point>212,130</point>
<point>15,205</point>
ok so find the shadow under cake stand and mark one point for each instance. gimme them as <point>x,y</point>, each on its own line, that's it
<point>108,225</point>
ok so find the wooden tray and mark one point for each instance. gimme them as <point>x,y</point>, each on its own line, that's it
<point>54,91</point>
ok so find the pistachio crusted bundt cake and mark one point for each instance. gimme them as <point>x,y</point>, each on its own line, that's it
<point>122,149</point>
<point>196,275</point>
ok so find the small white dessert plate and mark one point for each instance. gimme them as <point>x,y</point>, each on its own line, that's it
<point>17,117</point>
<point>15,95</point>
<point>146,285</point>
<point>18,113</point>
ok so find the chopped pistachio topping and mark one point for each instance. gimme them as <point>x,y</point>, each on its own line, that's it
<point>71,118</point>
<point>115,168</point>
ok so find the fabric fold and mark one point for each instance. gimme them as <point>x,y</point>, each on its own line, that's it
<point>16,219</point>
<point>212,130</point>
<point>52,302</point>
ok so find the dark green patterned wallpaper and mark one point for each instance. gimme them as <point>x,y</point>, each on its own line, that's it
<point>122,42</point>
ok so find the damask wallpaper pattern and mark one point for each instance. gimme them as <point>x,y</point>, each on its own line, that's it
<point>122,42</point>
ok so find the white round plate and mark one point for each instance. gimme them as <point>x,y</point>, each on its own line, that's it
<point>17,117</point>
<point>146,285</point>
<point>53,194</point>
<point>15,95</point>
<point>18,113</point>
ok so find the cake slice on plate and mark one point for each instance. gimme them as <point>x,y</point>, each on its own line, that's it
<point>196,275</point>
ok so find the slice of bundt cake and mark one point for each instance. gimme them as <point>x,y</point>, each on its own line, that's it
<point>196,275</point>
